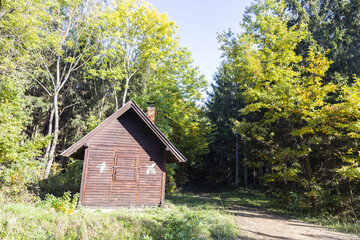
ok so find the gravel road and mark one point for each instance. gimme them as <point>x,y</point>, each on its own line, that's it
<point>259,224</point>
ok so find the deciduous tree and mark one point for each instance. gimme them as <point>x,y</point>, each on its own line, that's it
<point>304,141</point>
<point>68,40</point>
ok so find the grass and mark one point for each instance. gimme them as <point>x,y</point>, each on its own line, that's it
<point>241,197</point>
<point>30,221</point>
<point>254,198</point>
<point>191,216</point>
<point>336,224</point>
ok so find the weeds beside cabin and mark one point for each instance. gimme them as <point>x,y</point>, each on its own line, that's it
<point>124,161</point>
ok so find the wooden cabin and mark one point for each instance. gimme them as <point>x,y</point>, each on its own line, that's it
<point>124,161</point>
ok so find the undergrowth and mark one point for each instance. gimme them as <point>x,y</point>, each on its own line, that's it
<point>65,204</point>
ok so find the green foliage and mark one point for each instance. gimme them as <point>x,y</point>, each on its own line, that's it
<point>66,180</point>
<point>92,122</point>
<point>331,25</point>
<point>141,59</point>
<point>18,153</point>
<point>65,69</point>
<point>183,227</point>
<point>11,108</point>
<point>303,131</point>
<point>170,180</point>
<point>190,134</point>
<point>223,106</point>
<point>18,149</point>
<point>64,204</point>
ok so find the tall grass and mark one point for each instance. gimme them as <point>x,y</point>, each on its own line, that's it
<point>336,223</point>
<point>28,221</point>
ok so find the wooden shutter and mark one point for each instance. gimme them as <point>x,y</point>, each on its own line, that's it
<point>125,167</point>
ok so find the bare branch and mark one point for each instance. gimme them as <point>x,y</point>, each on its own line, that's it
<point>67,30</point>
<point>64,70</point>
<point>65,79</point>
<point>88,59</point>
<point>51,50</point>
<point>37,81</point>
<point>47,69</point>
<point>77,58</point>
<point>131,75</point>
<point>68,107</point>
<point>85,49</point>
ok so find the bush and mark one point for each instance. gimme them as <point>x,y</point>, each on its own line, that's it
<point>187,226</point>
<point>65,181</point>
<point>170,180</point>
<point>62,204</point>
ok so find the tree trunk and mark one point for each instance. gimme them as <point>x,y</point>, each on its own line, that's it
<point>102,106</point>
<point>125,91</point>
<point>46,156</point>
<point>116,100</point>
<point>308,167</point>
<point>245,171</point>
<point>254,174</point>
<point>237,160</point>
<point>56,135</point>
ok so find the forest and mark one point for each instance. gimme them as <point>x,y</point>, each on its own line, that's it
<point>287,94</point>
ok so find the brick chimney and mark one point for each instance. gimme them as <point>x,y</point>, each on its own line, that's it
<point>150,111</point>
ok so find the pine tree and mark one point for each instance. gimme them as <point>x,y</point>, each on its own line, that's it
<point>222,108</point>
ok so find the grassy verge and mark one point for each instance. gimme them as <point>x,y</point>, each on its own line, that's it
<point>253,198</point>
<point>191,216</point>
<point>28,221</point>
<point>240,197</point>
<point>335,223</point>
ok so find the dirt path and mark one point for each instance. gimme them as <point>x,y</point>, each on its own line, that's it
<point>259,224</point>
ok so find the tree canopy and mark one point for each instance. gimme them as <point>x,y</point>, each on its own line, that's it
<point>71,64</point>
<point>300,137</point>
<point>288,86</point>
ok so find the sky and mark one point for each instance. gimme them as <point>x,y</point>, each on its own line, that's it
<point>198,22</point>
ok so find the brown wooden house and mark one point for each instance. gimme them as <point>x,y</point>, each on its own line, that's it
<point>124,161</point>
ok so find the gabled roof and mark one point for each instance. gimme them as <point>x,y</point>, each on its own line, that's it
<point>129,105</point>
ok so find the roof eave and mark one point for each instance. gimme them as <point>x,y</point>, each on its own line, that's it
<point>131,104</point>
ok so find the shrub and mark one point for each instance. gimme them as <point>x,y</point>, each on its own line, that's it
<point>187,226</point>
<point>68,180</point>
<point>170,180</point>
<point>62,204</point>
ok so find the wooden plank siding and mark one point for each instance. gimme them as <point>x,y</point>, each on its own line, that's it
<point>124,161</point>
<point>76,150</point>
<point>119,169</point>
